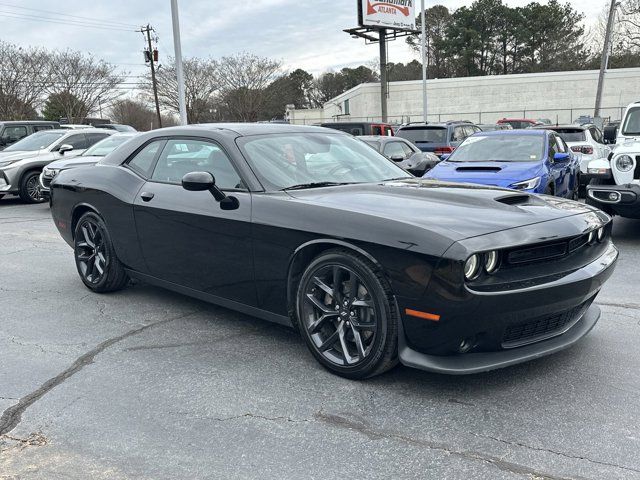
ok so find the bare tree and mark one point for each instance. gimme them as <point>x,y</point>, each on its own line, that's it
<point>200,78</point>
<point>137,114</point>
<point>630,22</point>
<point>24,77</point>
<point>244,79</point>
<point>90,82</point>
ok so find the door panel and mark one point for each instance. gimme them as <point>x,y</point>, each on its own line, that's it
<point>187,239</point>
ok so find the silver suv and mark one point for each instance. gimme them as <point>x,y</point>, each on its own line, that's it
<point>22,162</point>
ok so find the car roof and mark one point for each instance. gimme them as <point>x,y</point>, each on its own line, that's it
<point>247,129</point>
<point>28,122</point>
<point>528,131</point>
<point>70,131</point>
<point>381,138</point>
<point>586,126</point>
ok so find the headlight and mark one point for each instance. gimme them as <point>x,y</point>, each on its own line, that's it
<point>601,233</point>
<point>592,236</point>
<point>624,163</point>
<point>472,267</point>
<point>528,185</point>
<point>491,260</point>
<point>51,172</point>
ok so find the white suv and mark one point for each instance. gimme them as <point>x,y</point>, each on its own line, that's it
<point>585,140</point>
<point>615,186</point>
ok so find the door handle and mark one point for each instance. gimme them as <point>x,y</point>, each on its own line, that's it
<point>147,196</point>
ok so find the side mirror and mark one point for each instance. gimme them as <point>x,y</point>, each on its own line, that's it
<point>397,158</point>
<point>203,181</point>
<point>561,157</point>
<point>198,181</point>
<point>62,149</point>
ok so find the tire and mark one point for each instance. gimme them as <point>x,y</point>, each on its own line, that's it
<point>29,189</point>
<point>96,260</point>
<point>354,336</point>
<point>589,201</point>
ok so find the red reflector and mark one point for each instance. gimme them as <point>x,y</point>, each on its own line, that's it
<point>577,148</point>
<point>587,150</point>
<point>424,315</point>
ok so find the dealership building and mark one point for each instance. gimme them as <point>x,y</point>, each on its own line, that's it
<point>559,96</point>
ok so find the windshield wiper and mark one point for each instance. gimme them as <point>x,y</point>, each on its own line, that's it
<point>304,186</point>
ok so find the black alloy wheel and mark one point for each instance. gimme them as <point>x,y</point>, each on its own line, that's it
<point>96,261</point>
<point>346,315</point>
<point>30,188</point>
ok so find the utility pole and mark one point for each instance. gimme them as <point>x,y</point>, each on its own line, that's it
<point>605,56</point>
<point>424,62</point>
<point>178,54</point>
<point>383,73</point>
<point>147,30</point>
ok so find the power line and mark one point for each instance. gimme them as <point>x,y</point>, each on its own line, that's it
<point>36,18</point>
<point>67,15</point>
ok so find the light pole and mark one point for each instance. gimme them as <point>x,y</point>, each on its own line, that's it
<point>178,54</point>
<point>605,56</point>
<point>424,62</point>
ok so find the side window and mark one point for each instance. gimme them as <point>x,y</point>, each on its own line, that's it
<point>13,134</point>
<point>394,149</point>
<point>553,146</point>
<point>408,151</point>
<point>469,130</point>
<point>376,130</point>
<point>93,138</point>
<point>39,128</point>
<point>561,145</point>
<point>142,162</point>
<point>388,132</point>
<point>597,136</point>
<point>458,135</point>
<point>180,157</point>
<point>78,141</point>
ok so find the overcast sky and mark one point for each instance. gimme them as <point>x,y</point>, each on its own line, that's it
<point>300,33</point>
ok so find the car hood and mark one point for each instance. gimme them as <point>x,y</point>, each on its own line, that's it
<point>19,155</point>
<point>628,146</point>
<point>457,211</point>
<point>493,173</point>
<point>80,161</point>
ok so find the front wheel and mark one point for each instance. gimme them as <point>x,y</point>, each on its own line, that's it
<point>96,260</point>
<point>347,315</point>
<point>29,189</point>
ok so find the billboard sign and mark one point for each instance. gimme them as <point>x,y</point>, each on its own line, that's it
<point>392,14</point>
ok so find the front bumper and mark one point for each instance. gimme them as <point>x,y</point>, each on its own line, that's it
<point>623,200</point>
<point>506,327</point>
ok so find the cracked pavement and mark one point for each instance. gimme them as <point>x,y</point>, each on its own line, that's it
<point>148,384</point>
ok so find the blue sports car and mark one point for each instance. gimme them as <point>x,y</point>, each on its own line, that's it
<point>535,161</point>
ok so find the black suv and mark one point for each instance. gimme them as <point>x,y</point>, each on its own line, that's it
<point>12,131</point>
<point>439,138</point>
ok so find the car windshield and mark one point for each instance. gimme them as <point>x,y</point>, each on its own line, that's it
<point>500,148</point>
<point>34,142</point>
<point>105,147</point>
<point>571,134</point>
<point>632,122</point>
<point>424,134</point>
<point>312,159</point>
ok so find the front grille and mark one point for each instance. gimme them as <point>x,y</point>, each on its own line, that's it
<point>543,328</point>
<point>548,251</point>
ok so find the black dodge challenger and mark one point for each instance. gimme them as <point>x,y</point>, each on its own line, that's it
<point>312,228</point>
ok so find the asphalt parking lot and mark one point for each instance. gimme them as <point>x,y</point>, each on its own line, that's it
<point>147,384</point>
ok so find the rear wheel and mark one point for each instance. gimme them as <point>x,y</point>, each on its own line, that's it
<point>347,315</point>
<point>29,189</point>
<point>96,260</point>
